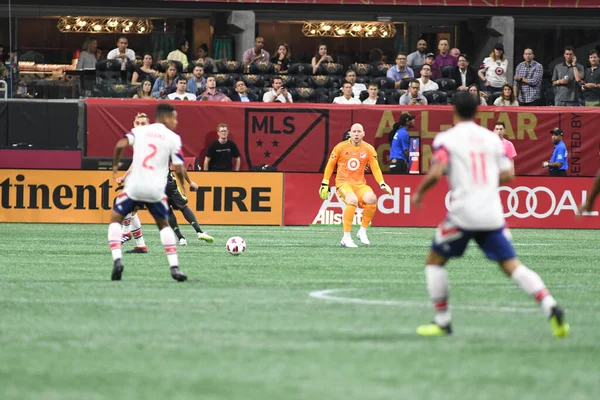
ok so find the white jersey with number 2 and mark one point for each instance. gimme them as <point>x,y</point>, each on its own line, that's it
<point>154,146</point>
<point>475,158</point>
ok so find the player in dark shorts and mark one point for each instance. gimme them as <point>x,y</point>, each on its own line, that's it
<point>177,201</point>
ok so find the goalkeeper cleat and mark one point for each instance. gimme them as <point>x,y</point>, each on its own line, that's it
<point>178,275</point>
<point>126,238</point>
<point>206,237</point>
<point>138,250</point>
<point>434,330</point>
<point>559,327</point>
<point>182,242</point>
<point>363,238</point>
<point>117,270</point>
<point>348,242</point>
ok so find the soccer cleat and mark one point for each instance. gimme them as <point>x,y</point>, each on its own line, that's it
<point>362,237</point>
<point>557,322</point>
<point>434,330</point>
<point>138,249</point>
<point>348,242</point>
<point>126,238</point>
<point>178,275</point>
<point>117,270</point>
<point>182,242</point>
<point>206,237</point>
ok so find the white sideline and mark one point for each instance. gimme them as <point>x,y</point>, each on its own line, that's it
<point>327,295</point>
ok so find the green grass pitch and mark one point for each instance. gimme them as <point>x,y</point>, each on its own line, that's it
<point>247,327</point>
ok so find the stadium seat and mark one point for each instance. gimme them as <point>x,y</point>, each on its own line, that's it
<point>365,94</point>
<point>361,69</point>
<point>109,70</point>
<point>380,70</point>
<point>435,97</point>
<point>191,163</point>
<point>492,97</point>
<point>447,70</point>
<point>262,68</point>
<point>303,95</point>
<point>405,83</point>
<point>322,95</point>
<point>258,92</point>
<point>229,67</point>
<point>224,80</point>
<point>208,67</point>
<point>363,79</point>
<point>417,72</point>
<point>393,97</point>
<point>446,84</point>
<point>384,83</point>
<point>252,80</point>
<point>300,69</point>
<point>330,69</point>
<point>321,81</point>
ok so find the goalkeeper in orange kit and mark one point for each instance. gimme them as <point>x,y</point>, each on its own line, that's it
<point>351,157</point>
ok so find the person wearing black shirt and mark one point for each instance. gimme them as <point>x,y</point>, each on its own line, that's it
<point>221,152</point>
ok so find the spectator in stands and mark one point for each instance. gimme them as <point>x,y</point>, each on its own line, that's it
<point>507,98</point>
<point>320,57</point>
<point>425,80</point>
<point>455,52</point>
<point>99,54</point>
<point>180,93</point>
<point>413,97</point>
<point>443,59</point>
<point>166,83</point>
<point>376,57</point>
<point>282,58</point>
<point>357,88</point>
<point>179,54</point>
<point>399,144</point>
<point>463,74</point>
<point>417,58</point>
<point>591,80</point>
<point>145,72</point>
<point>509,148</point>
<point>474,90</point>
<point>211,93</point>
<point>493,69</point>
<point>241,93</point>
<point>436,73</point>
<point>528,80</point>
<point>565,79</point>
<point>87,57</point>
<point>347,96</point>
<point>255,54</point>
<point>202,55</point>
<point>2,52</point>
<point>400,71</point>
<point>373,95</point>
<point>122,53</point>
<point>145,91</point>
<point>277,93</point>
<point>11,72</point>
<point>197,82</point>
<point>222,152</point>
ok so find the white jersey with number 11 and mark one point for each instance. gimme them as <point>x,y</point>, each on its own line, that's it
<point>475,157</point>
<point>154,146</point>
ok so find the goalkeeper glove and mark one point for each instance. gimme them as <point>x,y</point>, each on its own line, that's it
<point>324,190</point>
<point>385,187</point>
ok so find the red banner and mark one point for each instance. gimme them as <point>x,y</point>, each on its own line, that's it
<point>298,137</point>
<point>449,3</point>
<point>528,203</point>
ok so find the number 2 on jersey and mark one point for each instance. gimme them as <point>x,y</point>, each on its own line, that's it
<point>478,167</point>
<point>150,156</point>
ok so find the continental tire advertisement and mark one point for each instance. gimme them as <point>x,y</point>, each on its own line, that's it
<point>60,196</point>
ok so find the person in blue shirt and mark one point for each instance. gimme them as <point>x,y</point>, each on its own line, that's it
<point>559,162</point>
<point>399,144</point>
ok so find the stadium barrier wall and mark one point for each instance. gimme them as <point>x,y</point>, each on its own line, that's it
<point>298,137</point>
<point>59,196</point>
<point>437,3</point>
<point>40,159</point>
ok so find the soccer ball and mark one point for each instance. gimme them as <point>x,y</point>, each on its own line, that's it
<point>236,245</point>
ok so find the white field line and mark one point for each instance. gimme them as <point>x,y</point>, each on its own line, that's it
<point>328,294</point>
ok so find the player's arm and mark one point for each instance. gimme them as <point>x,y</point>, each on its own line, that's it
<point>121,179</point>
<point>122,144</point>
<point>441,159</point>
<point>181,175</point>
<point>378,175</point>
<point>589,204</point>
<point>187,178</point>
<point>331,163</point>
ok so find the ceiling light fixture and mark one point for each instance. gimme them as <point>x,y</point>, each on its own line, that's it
<point>349,29</point>
<point>104,25</point>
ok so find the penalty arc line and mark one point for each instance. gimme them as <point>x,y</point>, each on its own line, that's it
<point>328,295</point>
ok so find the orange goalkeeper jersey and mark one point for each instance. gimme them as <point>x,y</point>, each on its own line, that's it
<point>351,161</point>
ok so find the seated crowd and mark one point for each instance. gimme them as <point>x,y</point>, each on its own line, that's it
<point>420,77</point>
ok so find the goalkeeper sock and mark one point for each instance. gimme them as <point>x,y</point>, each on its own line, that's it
<point>531,283</point>
<point>437,286</point>
<point>114,240</point>
<point>191,218</point>
<point>368,214</point>
<point>349,217</point>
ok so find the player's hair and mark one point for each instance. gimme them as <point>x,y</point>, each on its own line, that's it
<point>465,105</point>
<point>500,123</point>
<point>222,126</point>
<point>163,110</point>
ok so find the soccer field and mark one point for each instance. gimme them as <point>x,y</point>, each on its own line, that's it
<point>295,317</point>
